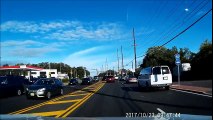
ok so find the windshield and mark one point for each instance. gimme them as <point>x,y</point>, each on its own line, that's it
<point>106,59</point>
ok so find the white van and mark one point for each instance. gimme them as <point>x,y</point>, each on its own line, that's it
<point>158,76</point>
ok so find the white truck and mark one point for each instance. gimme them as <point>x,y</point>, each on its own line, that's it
<point>157,76</point>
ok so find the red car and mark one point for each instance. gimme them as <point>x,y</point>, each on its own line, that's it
<point>110,79</point>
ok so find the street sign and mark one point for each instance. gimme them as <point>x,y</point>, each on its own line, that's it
<point>177,59</point>
<point>178,62</point>
<point>177,56</point>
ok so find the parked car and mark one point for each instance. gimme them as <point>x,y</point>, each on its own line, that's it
<point>86,81</point>
<point>157,76</point>
<point>12,85</point>
<point>131,79</point>
<point>73,81</point>
<point>110,79</point>
<point>45,87</point>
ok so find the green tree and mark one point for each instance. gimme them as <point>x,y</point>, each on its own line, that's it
<point>202,62</point>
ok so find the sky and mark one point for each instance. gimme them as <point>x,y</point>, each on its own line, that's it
<point>90,32</point>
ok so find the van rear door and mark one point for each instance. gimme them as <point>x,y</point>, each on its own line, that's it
<point>161,75</point>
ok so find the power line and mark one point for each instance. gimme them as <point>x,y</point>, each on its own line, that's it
<point>166,33</point>
<point>176,27</point>
<point>182,31</point>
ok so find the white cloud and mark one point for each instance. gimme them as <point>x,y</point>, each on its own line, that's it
<point>68,30</point>
<point>14,43</point>
<point>31,52</point>
<point>91,31</point>
<point>27,48</point>
<point>34,27</point>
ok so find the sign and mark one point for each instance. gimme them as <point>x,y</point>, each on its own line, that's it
<point>177,59</point>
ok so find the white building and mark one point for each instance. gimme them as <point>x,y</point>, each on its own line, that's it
<point>62,76</point>
<point>48,73</point>
<point>184,67</point>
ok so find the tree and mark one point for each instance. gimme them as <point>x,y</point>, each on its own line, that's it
<point>202,62</point>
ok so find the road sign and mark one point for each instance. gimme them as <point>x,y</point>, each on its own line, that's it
<point>178,62</point>
<point>177,59</point>
<point>177,56</point>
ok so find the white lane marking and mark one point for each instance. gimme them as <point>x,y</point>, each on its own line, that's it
<point>161,111</point>
<point>192,93</point>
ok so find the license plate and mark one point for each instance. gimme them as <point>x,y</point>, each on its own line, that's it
<point>32,94</point>
<point>165,78</point>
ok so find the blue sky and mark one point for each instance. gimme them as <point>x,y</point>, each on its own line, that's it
<point>87,32</point>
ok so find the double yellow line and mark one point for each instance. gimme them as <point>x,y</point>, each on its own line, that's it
<point>72,108</point>
<point>49,101</point>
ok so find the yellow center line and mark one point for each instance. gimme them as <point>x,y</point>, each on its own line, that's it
<point>77,104</point>
<point>65,101</point>
<point>76,95</point>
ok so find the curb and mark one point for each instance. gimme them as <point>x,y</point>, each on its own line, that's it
<point>188,90</point>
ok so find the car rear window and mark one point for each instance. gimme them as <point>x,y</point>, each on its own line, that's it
<point>110,77</point>
<point>165,70</point>
<point>156,70</point>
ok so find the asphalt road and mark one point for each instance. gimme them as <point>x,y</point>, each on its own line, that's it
<point>118,99</point>
<point>109,100</point>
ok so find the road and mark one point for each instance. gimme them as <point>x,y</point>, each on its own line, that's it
<point>110,100</point>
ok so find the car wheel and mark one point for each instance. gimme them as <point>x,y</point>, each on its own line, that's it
<point>48,95</point>
<point>62,92</point>
<point>18,92</point>
<point>167,87</point>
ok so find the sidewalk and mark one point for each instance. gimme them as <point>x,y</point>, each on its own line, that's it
<point>191,88</point>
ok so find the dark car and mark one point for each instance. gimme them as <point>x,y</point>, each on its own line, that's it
<point>96,78</point>
<point>12,85</point>
<point>33,80</point>
<point>104,78</point>
<point>45,87</point>
<point>86,81</point>
<point>73,81</point>
<point>110,79</point>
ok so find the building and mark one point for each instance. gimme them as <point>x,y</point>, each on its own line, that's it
<point>47,73</point>
<point>62,76</point>
<point>184,67</point>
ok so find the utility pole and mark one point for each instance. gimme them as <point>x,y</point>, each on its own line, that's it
<point>122,62</point>
<point>132,68</point>
<point>118,61</point>
<point>106,67</point>
<point>133,34</point>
